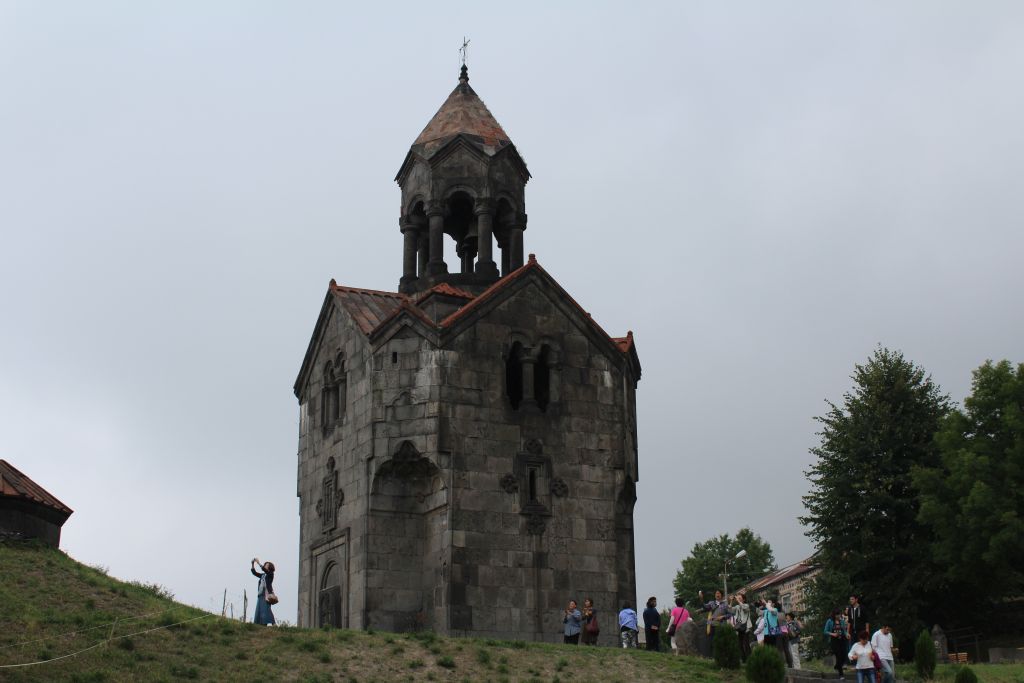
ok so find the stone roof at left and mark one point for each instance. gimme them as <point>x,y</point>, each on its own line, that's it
<point>368,307</point>
<point>15,484</point>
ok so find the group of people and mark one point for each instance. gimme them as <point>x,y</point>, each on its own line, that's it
<point>851,641</point>
<point>760,622</point>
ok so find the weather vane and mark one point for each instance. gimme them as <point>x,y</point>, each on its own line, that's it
<point>464,50</point>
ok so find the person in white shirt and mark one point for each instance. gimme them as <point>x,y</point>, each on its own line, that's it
<point>882,643</point>
<point>861,654</point>
<point>759,631</point>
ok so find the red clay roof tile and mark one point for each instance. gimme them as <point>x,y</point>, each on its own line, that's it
<point>14,484</point>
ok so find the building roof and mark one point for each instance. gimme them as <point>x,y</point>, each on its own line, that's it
<point>372,310</point>
<point>780,576</point>
<point>368,307</point>
<point>15,484</point>
<point>463,113</point>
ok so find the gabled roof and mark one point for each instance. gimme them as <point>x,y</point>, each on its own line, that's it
<point>781,575</point>
<point>368,307</point>
<point>378,313</point>
<point>14,484</point>
<point>463,113</point>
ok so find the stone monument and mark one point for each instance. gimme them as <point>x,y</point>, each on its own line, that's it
<point>467,452</point>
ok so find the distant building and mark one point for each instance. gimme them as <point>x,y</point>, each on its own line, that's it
<point>27,510</point>
<point>467,443</point>
<point>789,584</point>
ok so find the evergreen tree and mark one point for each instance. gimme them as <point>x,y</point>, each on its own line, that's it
<point>862,510</point>
<point>974,499</point>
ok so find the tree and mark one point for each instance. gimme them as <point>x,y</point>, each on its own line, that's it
<point>974,499</point>
<point>702,569</point>
<point>862,510</point>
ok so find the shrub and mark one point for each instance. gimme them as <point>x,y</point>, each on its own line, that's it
<point>765,665</point>
<point>966,675</point>
<point>447,662</point>
<point>726,647</point>
<point>483,657</point>
<point>924,655</point>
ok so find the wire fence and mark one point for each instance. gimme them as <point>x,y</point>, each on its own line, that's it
<point>109,639</point>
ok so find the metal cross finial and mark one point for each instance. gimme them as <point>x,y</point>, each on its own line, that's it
<point>464,50</point>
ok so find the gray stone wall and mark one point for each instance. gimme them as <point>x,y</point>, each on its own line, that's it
<point>458,512</point>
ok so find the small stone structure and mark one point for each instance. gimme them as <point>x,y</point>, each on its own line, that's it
<point>467,457</point>
<point>27,510</point>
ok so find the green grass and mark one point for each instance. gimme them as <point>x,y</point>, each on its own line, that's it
<point>55,606</point>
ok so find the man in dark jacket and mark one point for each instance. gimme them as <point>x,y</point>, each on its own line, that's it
<point>857,615</point>
<point>652,624</point>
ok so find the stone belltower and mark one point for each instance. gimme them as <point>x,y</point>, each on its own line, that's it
<point>467,444</point>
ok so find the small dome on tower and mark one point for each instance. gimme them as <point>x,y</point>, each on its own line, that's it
<point>466,114</point>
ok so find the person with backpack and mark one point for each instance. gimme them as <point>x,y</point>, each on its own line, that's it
<point>793,628</point>
<point>679,616</point>
<point>837,630</point>
<point>742,623</point>
<point>591,628</point>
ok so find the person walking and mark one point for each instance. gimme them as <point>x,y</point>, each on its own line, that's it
<point>652,624</point>
<point>793,628</point>
<point>591,627</point>
<point>857,617</point>
<point>627,625</point>
<point>838,631</point>
<point>882,643</point>
<point>743,625</point>
<point>572,624</point>
<point>861,654</point>
<point>679,616</point>
<point>265,596</point>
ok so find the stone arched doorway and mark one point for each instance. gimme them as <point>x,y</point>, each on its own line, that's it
<point>330,597</point>
<point>406,544</point>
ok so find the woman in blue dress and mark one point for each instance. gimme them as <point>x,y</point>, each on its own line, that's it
<point>264,615</point>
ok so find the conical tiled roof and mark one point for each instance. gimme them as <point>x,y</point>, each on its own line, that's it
<point>463,113</point>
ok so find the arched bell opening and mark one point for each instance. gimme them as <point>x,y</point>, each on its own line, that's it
<point>460,225</point>
<point>418,217</point>
<point>504,217</point>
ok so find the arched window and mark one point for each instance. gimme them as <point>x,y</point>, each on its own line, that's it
<point>542,377</point>
<point>514,375</point>
<point>333,394</point>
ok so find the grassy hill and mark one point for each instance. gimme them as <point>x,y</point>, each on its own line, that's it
<point>53,607</point>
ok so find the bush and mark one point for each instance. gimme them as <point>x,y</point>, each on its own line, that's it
<point>924,656</point>
<point>765,665</point>
<point>447,662</point>
<point>726,647</point>
<point>966,675</point>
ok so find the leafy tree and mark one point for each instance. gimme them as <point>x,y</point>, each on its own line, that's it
<point>828,590</point>
<point>974,499</point>
<point>862,510</point>
<point>702,569</point>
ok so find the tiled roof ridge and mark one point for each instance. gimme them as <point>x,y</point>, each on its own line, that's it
<point>22,486</point>
<point>445,289</point>
<point>362,290</point>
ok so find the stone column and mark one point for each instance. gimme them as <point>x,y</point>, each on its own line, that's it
<point>484,211</point>
<point>411,236</point>
<point>505,260</point>
<point>436,264</point>
<point>467,252</point>
<point>423,253</point>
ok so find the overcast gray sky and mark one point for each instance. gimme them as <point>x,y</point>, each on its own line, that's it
<point>762,192</point>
